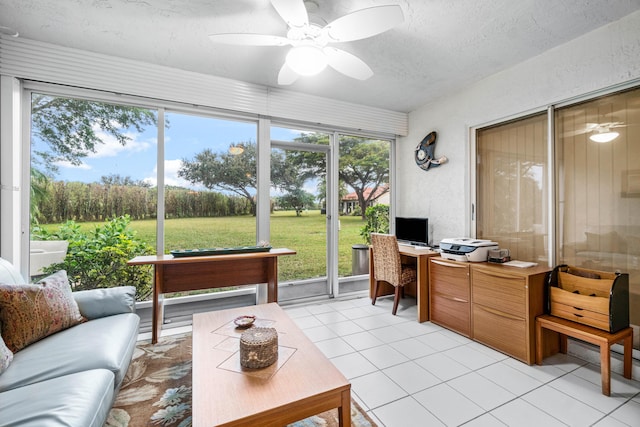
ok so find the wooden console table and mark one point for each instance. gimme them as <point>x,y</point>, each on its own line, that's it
<point>179,274</point>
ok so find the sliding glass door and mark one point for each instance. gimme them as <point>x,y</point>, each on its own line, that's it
<point>299,162</point>
<point>598,186</point>
<point>512,187</point>
<point>596,198</point>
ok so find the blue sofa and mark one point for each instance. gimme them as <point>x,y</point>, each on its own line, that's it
<point>71,378</point>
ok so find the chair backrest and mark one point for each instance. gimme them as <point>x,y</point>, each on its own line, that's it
<point>386,258</point>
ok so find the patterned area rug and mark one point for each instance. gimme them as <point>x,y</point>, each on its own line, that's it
<point>157,390</point>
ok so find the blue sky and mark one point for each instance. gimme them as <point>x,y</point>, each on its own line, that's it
<point>186,136</point>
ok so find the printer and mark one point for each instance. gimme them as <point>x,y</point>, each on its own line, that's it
<point>466,249</point>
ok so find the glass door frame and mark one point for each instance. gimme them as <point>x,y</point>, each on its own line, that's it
<point>331,200</point>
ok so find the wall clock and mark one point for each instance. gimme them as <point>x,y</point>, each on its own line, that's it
<point>424,154</point>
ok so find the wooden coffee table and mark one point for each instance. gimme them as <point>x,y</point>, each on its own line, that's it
<point>302,383</point>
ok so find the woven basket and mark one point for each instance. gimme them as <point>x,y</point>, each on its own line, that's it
<point>258,347</point>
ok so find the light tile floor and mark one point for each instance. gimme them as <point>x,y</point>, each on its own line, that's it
<point>405,373</point>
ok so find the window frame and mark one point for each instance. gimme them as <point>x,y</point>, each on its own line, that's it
<point>20,103</point>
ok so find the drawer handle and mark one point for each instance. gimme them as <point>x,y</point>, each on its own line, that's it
<point>501,276</point>
<point>578,308</point>
<point>446,264</point>
<point>578,315</point>
<point>456,299</point>
<point>500,313</point>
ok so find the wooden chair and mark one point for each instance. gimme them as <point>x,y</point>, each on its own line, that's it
<point>389,268</point>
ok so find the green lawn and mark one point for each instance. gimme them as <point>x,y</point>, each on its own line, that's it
<point>305,234</point>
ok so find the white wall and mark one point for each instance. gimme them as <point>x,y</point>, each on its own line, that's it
<point>605,57</point>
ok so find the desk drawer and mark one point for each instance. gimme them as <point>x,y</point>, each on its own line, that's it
<point>500,291</point>
<point>502,331</point>
<point>452,313</point>
<point>449,278</point>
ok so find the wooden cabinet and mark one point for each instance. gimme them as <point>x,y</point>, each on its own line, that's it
<point>493,304</point>
<point>450,295</point>
<point>505,303</point>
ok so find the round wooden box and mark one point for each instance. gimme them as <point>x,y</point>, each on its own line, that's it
<point>258,347</point>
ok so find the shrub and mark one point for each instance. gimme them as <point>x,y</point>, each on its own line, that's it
<point>98,258</point>
<point>377,221</point>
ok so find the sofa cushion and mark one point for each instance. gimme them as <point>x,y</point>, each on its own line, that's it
<point>96,303</point>
<point>106,343</point>
<point>77,400</point>
<point>29,313</point>
<point>6,356</point>
<point>610,242</point>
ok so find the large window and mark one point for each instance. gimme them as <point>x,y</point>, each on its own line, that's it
<point>91,163</point>
<point>210,181</point>
<point>114,180</point>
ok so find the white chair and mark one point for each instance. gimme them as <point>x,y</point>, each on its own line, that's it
<point>43,253</point>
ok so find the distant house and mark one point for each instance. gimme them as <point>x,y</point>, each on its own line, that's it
<point>350,201</point>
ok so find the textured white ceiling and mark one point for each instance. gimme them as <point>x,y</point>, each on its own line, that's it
<point>443,45</point>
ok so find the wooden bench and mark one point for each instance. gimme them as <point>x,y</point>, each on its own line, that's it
<point>601,338</point>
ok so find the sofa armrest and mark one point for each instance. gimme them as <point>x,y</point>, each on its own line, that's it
<point>97,303</point>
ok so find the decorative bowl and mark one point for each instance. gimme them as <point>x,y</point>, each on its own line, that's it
<point>244,321</point>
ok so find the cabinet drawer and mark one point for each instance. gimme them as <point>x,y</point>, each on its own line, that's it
<point>451,312</point>
<point>577,314</point>
<point>500,291</point>
<point>502,331</point>
<point>450,279</point>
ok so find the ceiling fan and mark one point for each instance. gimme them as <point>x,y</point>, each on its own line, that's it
<point>310,51</point>
<point>602,132</point>
<point>599,132</point>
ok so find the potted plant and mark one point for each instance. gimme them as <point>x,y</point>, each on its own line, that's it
<point>376,221</point>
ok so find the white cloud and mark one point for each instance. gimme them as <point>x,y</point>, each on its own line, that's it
<point>171,168</point>
<point>69,165</point>
<point>112,148</point>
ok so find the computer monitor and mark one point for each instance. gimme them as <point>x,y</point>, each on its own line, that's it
<point>413,231</point>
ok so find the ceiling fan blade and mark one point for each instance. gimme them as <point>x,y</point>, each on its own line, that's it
<point>348,64</point>
<point>364,23</point>
<point>240,39</point>
<point>287,76</point>
<point>292,11</point>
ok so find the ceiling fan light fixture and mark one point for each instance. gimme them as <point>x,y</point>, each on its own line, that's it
<point>306,60</point>
<point>604,136</point>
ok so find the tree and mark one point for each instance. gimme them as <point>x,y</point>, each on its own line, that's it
<point>126,181</point>
<point>296,199</point>
<point>364,165</point>
<point>39,184</point>
<point>235,173</point>
<point>68,128</point>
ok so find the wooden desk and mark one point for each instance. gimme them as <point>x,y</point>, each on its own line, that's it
<point>421,291</point>
<point>302,382</point>
<point>179,274</point>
